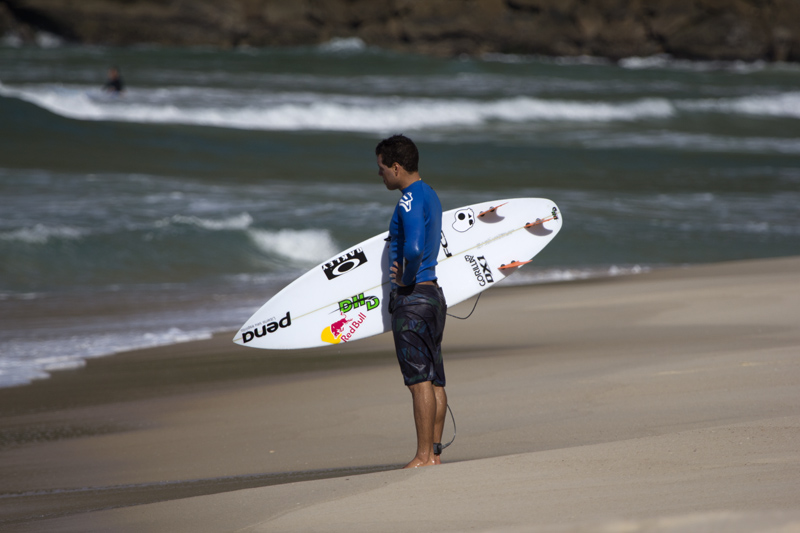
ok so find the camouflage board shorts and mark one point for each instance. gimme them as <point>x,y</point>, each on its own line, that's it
<point>418,316</point>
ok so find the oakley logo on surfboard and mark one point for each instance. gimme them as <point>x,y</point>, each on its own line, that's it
<point>344,263</point>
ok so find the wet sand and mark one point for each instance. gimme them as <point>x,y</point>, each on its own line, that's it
<point>666,401</point>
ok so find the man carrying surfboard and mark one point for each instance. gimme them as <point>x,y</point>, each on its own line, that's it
<point>417,303</point>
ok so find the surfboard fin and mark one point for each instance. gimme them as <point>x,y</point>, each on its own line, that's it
<point>539,221</point>
<point>513,264</point>
<point>490,210</point>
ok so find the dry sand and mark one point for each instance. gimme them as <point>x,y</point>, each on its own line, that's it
<point>667,401</point>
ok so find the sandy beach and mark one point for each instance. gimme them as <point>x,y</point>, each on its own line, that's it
<point>666,401</point>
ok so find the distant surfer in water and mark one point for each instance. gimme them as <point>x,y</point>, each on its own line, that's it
<point>417,303</point>
<point>114,83</point>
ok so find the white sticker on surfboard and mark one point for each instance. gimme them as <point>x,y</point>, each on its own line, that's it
<point>346,298</point>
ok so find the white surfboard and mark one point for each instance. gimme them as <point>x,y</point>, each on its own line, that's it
<point>346,298</point>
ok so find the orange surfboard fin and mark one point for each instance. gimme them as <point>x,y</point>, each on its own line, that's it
<point>513,264</point>
<point>490,210</point>
<point>553,216</point>
<point>539,221</point>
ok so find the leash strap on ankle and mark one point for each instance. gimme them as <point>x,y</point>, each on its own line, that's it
<point>438,447</point>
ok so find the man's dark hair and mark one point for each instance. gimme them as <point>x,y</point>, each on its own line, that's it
<point>399,149</point>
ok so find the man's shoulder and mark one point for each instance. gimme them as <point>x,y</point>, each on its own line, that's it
<point>417,196</point>
<point>431,198</point>
<point>406,201</point>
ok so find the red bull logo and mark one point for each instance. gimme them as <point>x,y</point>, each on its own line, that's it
<point>342,330</point>
<point>338,327</point>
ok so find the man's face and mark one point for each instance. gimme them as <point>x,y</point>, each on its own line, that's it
<point>388,174</point>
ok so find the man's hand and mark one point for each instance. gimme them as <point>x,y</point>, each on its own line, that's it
<point>396,275</point>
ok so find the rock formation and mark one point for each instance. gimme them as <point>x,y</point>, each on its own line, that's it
<point>693,29</point>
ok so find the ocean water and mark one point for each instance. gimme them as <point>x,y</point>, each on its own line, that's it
<point>177,209</point>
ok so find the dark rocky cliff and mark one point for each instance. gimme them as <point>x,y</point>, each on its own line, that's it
<point>694,29</point>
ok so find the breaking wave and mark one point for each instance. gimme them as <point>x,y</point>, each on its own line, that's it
<point>325,112</point>
<point>302,246</point>
<point>293,111</point>
<point>785,105</point>
<point>41,234</point>
<point>238,222</point>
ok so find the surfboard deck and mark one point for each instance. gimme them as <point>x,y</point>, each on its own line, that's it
<point>346,298</point>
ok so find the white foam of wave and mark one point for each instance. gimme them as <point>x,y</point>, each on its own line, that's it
<point>305,246</point>
<point>48,40</point>
<point>562,60</point>
<point>695,142</point>
<point>761,228</point>
<point>42,39</point>
<point>379,114</point>
<point>12,40</point>
<point>237,222</point>
<point>41,234</point>
<point>310,111</point>
<point>665,61</point>
<point>774,105</point>
<point>555,275</point>
<point>654,62</point>
<point>343,44</point>
<point>19,296</point>
<point>24,361</point>
<point>529,109</point>
<point>639,63</point>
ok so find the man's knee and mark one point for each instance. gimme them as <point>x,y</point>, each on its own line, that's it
<point>422,386</point>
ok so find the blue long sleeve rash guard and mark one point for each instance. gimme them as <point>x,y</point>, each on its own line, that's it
<point>415,231</point>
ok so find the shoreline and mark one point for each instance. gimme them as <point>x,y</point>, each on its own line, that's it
<point>128,314</point>
<point>674,389</point>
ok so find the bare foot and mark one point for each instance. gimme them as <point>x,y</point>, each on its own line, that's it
<point>437,459</point>
<point>417,462</point>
